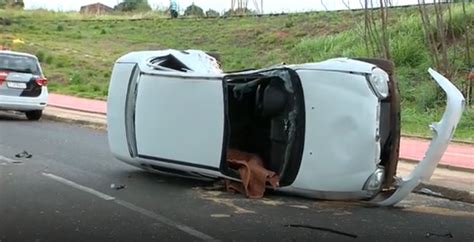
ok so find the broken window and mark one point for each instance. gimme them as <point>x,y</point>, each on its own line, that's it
<point>169,63</point>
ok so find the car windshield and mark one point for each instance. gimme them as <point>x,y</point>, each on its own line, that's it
<point>19,63</point>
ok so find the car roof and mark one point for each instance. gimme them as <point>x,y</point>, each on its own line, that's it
<point>17,53</point>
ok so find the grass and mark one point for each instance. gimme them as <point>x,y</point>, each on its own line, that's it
<point>77,52</point>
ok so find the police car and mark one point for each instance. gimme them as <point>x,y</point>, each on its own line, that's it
<point>23,86</point>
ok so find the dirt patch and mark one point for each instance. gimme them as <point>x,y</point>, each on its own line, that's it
<point>60,78</point>
<point>282,33</point>
<point>215,197</point>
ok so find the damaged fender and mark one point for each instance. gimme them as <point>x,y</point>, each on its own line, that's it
<point>443,132</point>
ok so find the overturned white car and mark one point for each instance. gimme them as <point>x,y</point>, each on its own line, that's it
<point>330,130</point>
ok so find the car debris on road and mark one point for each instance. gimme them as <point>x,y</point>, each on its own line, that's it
<point>117,187</point>
<point>24,154</point>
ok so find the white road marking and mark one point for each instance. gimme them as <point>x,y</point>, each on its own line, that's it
<point>166,221</point>
<point>3,158</point>
<point>78,186</point>
<point>10,161</point>
<point>191,231</point>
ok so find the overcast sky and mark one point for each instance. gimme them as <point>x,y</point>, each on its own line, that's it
<point>219,5</point>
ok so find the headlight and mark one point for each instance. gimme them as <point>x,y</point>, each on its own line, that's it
<point>375,181</point>
<point>379,82</point>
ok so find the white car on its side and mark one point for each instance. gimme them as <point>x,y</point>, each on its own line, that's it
<point>22,84</point>
<point>330,129</point>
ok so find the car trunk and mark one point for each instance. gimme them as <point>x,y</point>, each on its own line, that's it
<point>18,75</point>
<point>266,118</point>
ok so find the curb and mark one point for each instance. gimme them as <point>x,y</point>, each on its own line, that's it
<point>467,142</point>
<point>83,122</point>
<point>448,167</point>
<point>446,192</point>
<point>76,110</point>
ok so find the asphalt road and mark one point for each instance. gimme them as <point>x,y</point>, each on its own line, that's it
<point>63,193</point>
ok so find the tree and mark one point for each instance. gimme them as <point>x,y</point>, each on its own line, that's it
<point>133,5</point>
<point>18,4</point>
<point>12,4</point>
<point>212,13</point>
<point>240,11</point>
<point>194,10</point>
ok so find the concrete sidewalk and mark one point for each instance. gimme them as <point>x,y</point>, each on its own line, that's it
<point>457,157</point>
<point>78,104</point>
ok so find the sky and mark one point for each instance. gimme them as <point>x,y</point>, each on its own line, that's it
<point>270,6</point>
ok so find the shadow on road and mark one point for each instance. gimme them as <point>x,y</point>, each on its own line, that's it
<point>12,116</point>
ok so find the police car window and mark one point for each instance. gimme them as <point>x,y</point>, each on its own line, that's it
<point>18,63</point>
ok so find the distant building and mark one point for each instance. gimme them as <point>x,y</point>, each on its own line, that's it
<point>96,8</point>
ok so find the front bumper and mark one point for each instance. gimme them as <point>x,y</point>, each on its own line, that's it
<point>443,132</point>
<point>24,103</point>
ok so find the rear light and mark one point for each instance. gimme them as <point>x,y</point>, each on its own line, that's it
<point>3,76</point>
<point>41,81</point>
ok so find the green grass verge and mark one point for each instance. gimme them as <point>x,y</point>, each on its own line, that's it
<point>77,52</point>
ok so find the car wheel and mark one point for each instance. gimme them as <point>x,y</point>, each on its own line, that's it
<point>383,64</point>
<point>34,115</point>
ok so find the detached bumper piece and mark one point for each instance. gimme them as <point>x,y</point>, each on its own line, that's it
<point>443,132</point>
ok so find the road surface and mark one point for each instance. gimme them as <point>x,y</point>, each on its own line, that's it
<point>67,192</point>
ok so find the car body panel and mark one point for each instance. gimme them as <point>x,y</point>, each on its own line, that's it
<point>176,119</point>
<point>194,106</point>
<point>333,126</point>
<point>117,132</point>
<point>443,132</point>
<point>339,65</point>
<point>19,103</point>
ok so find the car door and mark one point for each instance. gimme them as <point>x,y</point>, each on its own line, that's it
<point>180,119</point>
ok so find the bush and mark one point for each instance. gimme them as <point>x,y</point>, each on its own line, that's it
<point>49,60</point>
<point>212,13</point>
<point>41,55</point>
<point>60,27</point>
<point>240,11</point>
<point>59,64</point>
<point>75,78</point>
<point>133,5</point>
<point>194,10</point>
<point>18,4</point>
<point>347,44</point>
<point>408,50</point>
<point>457,25</point>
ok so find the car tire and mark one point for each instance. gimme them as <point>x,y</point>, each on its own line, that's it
<point>383,64</point>
<point>34,115</point>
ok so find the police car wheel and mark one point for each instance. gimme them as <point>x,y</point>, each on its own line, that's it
<point>34,115</point>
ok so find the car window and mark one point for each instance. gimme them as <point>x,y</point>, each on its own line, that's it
<point>169,63</point>
<point>19,63</point>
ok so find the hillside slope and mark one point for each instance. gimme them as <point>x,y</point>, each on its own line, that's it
<point>77,53</point>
